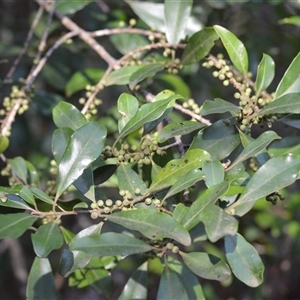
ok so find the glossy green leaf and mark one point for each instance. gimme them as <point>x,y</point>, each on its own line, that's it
<point>289,103</point>
<point>176,17</point>
<point>294,20</point>
<point>178,129</point>
<point>4,143</point>
<point>206,265</point>
<point>14,201</point>
<point>33,175</point>
<point>256,146</point>
<point>186,181</point>
<point>187,278</point>
<point>290,82</point>
<point>136,286</point>
<point>153,224</point>
<point>179,212</point>
<point>152,126</point>
<point>274,175</point>
<point>147,113</point>
<point>265,73</point>
<point>98,277</point>
<point>213,172</point>
<point>60,139</point>
<point>108,244</point>
<point>84,146</point>
<point>19,168</point>
<point>85,184</point>
<point>14,225</point>
<point>177,84</point>
<point>219,140</point>
<point>151,13</point>
<point>235,49</point>
<point>121,76</point>
<point>244,260</point>
<point>218,106</point>
<point>26,194</point>
<point>217,223</point>
<point>81,79</point>
<point>170,287</point>
<point>47,238</point>
<point>41,284</point>
<point>103,173</point>
<point>127,42</point>
<point>73,260</point>
<point>129,180</point>
<point>199,45</point>
<point>176,168</point>
<point>145,72</point>
<point>289,144</point>
<point>209,197</point>
<point>41,195</point>
<point>67,115</point>
<point>127,107</point>
<point>291,120</point>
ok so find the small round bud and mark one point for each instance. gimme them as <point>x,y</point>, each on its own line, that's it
<point>132,22</point>
<point>100,203</point>
<point>175,249</point>
<point>108,202</point>
<point>94,215</point>
<point>94,205</point>
<point>170,246</point>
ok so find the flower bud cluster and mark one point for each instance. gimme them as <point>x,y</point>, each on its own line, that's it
<point>274,197</point>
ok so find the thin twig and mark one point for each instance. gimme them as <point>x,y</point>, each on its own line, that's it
<point>25,47</point>
<point>84,35</point>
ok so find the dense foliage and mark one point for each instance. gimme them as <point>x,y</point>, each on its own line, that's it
<point>122,171</point>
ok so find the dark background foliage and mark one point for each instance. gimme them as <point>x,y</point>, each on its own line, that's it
<point>273,230</point>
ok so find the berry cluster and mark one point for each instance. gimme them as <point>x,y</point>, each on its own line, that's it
<point>274,197</point>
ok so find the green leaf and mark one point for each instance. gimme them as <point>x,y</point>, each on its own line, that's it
<point>213,172</point>
<point>41,283</point>
<point>14,201</point>
<point>291,120</point>
<point>47,238</point>
<point>127,107</point>
<point>121,76</point>
<point>33,174</point>
<point>81,79</point>
<point>219,140</point>
<point>187,278</point>
<point>41,195</point>
<point>103,173</point>
<point>70,7</point>
<point>199,45</point>
<point>60,139</point>
<point>151,13</point>
<point>19,168</point>
<point>289,144</point>
<point>14,225</point>
<point>186,181</point>
<point>129,180</point>
<point>170,287</point>
<point>265,73</point>
<point>206,265</point>
<point>178,129</point>
<point>84,146</point>
<point>153,224</point>
<point>4,143</point>
<point>85,184</point>
<point>289,103</point>
<point>209,197</point>
<point>176,168</point>
<point>67,115</point>
<point>274,175</point>
<point>218,106</point>
<point>26,194</point>
<point>147,113</point>
<point>244,260</point>
<point>98,277</point>
<point>235,49</point>
<point>145,72</point>
<point>179,212</point>
<point>136,286</point>
<point>256,146</point>
<point>294,20</point>
<point>127,42</point>
<point>108,244</point>
<point>73,260</point>
<point>217,223</point>
<point>176,17</point>
<point>290,82</point>
<point>177,84</point>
